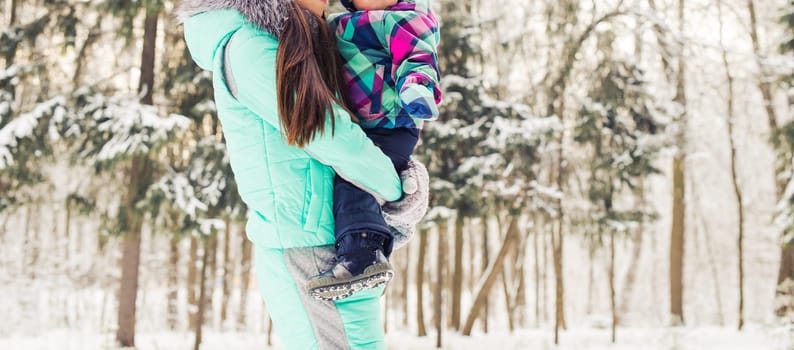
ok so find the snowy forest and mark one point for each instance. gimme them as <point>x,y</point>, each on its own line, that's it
<point>612,174</point>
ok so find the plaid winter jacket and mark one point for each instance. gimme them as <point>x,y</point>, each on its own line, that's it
<point>391,64</point>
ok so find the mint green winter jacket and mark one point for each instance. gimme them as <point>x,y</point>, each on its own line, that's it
<point>288,190</point>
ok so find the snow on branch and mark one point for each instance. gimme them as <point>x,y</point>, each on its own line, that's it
<point>176,187</point>
<point>785,211</point>
<point>122,126</point>
<point>202,189</point>
<point>506,131</point>
<point>26,125</point>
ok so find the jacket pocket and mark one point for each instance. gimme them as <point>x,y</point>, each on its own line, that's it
<point>314,197</point>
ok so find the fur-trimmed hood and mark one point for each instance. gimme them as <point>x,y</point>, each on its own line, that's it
<point>268,15</point>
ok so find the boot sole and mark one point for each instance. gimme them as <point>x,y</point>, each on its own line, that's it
<point>331,289</point>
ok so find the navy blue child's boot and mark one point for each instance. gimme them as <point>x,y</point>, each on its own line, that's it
<point>359,264</point>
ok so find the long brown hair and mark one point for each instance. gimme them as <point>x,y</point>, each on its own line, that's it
<point>308,76</point>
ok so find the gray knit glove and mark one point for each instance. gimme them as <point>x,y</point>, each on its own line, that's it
<point>402,216</point>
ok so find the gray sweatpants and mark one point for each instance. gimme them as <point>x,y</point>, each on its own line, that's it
<point>302,322</point>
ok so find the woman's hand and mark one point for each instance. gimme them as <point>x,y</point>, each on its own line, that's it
<point>405,214</point>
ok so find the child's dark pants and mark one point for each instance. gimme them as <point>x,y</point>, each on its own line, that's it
<point>358,212</point>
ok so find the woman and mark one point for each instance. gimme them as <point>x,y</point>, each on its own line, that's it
<point>277,75</point>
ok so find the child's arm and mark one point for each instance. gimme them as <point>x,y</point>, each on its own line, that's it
<point>413,42</point>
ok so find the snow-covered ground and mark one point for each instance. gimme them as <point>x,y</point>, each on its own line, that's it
<point>628,339</point>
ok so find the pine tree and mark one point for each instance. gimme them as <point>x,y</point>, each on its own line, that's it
<point>24,142</point>
<point>622,126</point>
<point>121,134</point>
<point>28,130</point>
<point>189,89</point>
<point>784,144</point>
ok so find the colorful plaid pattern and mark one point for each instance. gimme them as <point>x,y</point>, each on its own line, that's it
<point>391,64</point>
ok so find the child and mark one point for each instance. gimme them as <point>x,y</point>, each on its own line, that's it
<point>391,70</point>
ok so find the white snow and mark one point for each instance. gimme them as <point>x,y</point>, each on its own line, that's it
<point>705,338</point>
<point>178,189</point>
<point>133,127</point>
<point>23,125</point>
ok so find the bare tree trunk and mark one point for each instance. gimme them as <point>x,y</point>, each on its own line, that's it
<point>703,232</point>
<point>557,244</point>
<point>679,200</point>
<point>785,273</point>
<point>521,299</point>
<point>696,251</point>
<point>485,262</point>
<point>11,19</point>
<point>128,291</point>
<point>520,303</point>
<point>192,274</point>
<point>557,241</point>
<point>269,331</point>
<point>631,274</point>
<point>101,240</point>
<point>677,243</point>
<point>513,282</point>
<point>508,299</point>
<point>544,277</point>
<point>591,250</point>
<point>763,84</point>
<point>679,160</point>
<point>146,83</point>
<point>67,232</point>
<point>11,12</point>
<point>493,271</point>
<point>457,276</point>
<point>173,282</point>
<point>472,253</point>
<point>245,277</point>
<point>536,251</point>
<point>209,315</point>
<point>404,285</point>
<point>139,175</point>
<point>612,303</point>
<point>4,227</point>
<point>228,269</point>
<point>442,257</point>
<point>55,237</point>
<point>204,290</point>
<point>34,242</point>
<point>734,171</point>
<point>93,36</point>
<point>656,275</point>
<point>28,241</point>
<point>448,270</point>
<point>420,277</point>
<point>786,269</point>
